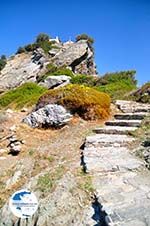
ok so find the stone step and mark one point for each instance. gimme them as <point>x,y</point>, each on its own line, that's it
<point>125,197</point>
<point>112,163</point>
<point>132,106</point>
<point>130,123</point>
<point>106,140</point>
<point>141,109</point>
<point>110,158</point>
<point>130,116</point>
<point>120,183</point>
<point>114,130</point>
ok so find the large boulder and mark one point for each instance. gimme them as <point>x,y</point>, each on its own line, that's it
<point>78,56</point>
<point>22,68</point>
<point>55,81</point>
<point>52,115</point>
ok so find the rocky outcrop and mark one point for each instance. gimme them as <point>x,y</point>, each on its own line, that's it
<point>142,94</point>
<point>52,82</point>
<point>52,115</point>
<point>22,68</point>
<point>78,56</point>
<point>28,67</point>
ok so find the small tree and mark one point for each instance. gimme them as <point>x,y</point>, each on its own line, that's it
<point>42,37</point>
<point>3,57</point>
<point>85,37</point>
<point>30,47</point>
<point>3,60</point>
<point>21,50</point>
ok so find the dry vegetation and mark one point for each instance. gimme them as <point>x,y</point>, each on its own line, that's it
<point>87,102</point>
<point>50,152</point>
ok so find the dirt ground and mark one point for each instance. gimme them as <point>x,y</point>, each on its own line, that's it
<point>42,148</point>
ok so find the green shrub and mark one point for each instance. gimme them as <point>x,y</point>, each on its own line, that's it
<point>21,50</point>
<point>54,70</point>
<point>45,45</point>
<point>25,95</point>
<point>117,90</point>
<point>30,47</point>
<point>48,181</point>
<point>3,57</point>
<point>42,41</point>
<point>87,102</point>
<point>63,71</point>
<point>85,37</point>
<point>45,183</point>
<point>42,37</point>
<point>86,183</point>
<point>3,62</point>
<point>117,77</point>
<point>51,68</point>
<point>142,94</point>
<point>84,80</point>
<point>117,84</point>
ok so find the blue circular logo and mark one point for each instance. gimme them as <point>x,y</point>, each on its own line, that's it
<point>23,204</point>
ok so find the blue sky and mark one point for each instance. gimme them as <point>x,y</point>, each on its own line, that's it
<point>120,28</point>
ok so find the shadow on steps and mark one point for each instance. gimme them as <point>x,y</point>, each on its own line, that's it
<point>100,216</point>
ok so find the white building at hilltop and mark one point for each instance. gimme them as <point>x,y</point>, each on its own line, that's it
<point>54,39</point>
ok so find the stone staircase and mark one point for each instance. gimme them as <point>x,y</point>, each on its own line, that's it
<point>121,181</point>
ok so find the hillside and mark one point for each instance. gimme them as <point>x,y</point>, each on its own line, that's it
<point>34,60</point>
<point>78,140</point>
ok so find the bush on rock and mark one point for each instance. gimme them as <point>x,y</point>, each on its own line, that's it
<point>87,102</point>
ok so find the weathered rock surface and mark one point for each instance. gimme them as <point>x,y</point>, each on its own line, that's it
<point>60,207</point>
<point>78,56</point>
<point>142,94</point>
<point>28,67</point>
<point>48,116</point>
<point>22,68</point>
<point>107,140</point>
<point>120,178</point>
<point>55,81</point>
<point>132,106</point>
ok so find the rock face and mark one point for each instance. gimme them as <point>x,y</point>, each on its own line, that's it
<point>52,115</point>
<point>55,81</point>
<point>22,68</point>
<point>142,94</point>
<point>27,67</point>
<point>78,56</point>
